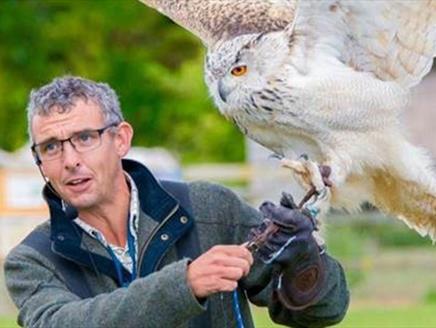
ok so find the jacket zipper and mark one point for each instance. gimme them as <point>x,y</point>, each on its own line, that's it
<point>153,233</point>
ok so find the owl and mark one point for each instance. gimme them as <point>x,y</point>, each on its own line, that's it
<point>328,79</point>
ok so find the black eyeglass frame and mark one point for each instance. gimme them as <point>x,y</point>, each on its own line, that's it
<point>38,160</point>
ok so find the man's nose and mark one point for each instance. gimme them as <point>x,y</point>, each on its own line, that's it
<point>70,156</point>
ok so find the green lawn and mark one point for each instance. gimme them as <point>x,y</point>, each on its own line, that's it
<point>362,317</point>
<point>7,322</point>
<point>407,317</point>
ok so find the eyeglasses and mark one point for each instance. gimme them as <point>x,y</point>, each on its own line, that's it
<point>81,141</point>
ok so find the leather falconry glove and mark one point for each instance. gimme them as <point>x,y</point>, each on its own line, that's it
<point>285,239</point>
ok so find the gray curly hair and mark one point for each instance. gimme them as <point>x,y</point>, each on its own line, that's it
<point>62,93</point>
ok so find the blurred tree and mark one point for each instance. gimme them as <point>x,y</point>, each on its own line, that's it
<point>155,67</point>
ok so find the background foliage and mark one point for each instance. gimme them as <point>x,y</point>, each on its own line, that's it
<point>155,66</point>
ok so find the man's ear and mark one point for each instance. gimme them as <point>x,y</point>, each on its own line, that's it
<point>123,138</point>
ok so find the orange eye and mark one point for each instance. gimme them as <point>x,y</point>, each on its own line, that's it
<point>239,70</point>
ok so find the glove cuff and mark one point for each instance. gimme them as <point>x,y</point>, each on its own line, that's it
<point>302,288</point>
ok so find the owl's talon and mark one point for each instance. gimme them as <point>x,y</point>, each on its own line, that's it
<point>276,156</point>
<point>304,157</point>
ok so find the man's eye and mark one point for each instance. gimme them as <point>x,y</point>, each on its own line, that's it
<point>85,138</point>
<point>50,147</point>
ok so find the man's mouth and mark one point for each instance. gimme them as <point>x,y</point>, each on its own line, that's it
<point>76,182</point>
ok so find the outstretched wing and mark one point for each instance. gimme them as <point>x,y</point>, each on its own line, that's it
<point>217,20</point>
<point>395,40</point>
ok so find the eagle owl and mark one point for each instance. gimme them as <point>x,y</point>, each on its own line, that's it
<point>329,79</point>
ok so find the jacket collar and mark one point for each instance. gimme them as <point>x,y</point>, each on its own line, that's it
<point>154,200</point>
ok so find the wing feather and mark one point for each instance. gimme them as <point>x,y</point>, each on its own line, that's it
<point>217,20</point>
<point>395,40</point>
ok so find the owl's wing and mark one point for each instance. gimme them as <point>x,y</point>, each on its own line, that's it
<point>395,40</point>
<point>217,20</point>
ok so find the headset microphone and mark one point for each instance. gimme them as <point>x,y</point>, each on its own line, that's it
<point>47,182</point>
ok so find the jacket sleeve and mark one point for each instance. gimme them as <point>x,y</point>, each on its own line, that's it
<point>330,309</point>
<point>162,299</point>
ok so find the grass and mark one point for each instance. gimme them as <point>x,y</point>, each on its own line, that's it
<point>7,322</point>
<point>416,316</point>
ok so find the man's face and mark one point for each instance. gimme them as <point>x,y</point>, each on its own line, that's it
<point>85,180</point>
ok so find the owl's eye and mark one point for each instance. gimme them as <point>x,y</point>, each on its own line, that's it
<point>239,70</point>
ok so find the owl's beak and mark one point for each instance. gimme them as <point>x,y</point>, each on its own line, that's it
<point>223,91</point>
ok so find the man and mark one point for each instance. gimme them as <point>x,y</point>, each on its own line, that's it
<point>149,259</point>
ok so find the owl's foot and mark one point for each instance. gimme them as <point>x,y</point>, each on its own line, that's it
<point>312,177</point>
<point>308,173</point>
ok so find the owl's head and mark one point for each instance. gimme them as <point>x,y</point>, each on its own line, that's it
<point>237,68</point>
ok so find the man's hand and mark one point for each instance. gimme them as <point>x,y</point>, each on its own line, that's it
<point>219,269</point>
